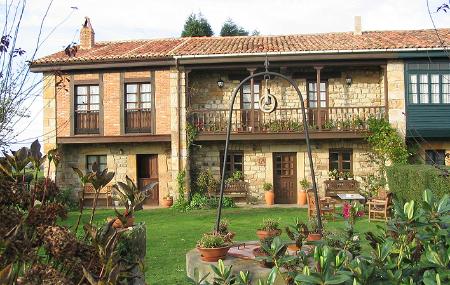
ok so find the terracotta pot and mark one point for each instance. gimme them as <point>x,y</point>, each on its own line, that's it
<point>313,237</point>
<point>167,202</point>
<point>267,234</point>
<point>293,247</point>
<point>270,197</point>
<point>259,252</point>
<point>213,254</point>
<point>117,224</point>
<point>301,198</point>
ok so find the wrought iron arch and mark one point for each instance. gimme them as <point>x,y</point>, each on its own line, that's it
<point>305,127</point>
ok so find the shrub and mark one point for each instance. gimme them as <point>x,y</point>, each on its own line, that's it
<point>205,182</point>
<point>270,225</point>
<point>211,241</point>
<point>408,182</point>
<point>67,198</point>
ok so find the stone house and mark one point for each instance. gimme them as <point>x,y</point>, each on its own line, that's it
<point>131,105</point>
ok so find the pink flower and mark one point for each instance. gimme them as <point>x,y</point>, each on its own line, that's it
<point>346,210</point>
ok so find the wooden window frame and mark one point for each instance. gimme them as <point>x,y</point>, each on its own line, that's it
<point>315,92</point>
<point>432,160</point>
<point>97,159</point>
<point>139,82</point>
<point>232,162</point>
<point>340,160</point>
<point>256,82</point>
<point>88,104</point>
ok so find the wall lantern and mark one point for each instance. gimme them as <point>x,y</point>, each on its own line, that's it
<point>348,80</point>
<point>220,83</point>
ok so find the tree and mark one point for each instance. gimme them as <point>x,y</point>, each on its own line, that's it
<point>230,28</point>
<point>196,26</point>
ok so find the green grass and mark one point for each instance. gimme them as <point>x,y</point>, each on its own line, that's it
<point>171,234</point>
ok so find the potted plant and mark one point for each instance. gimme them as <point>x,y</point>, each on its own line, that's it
<point>212,247</point>
<point>333,174</point>
<point>329,125</point>
<point>167,201</point>
<point>297,234</point>
<point>313,230</point>
<point>224,231</point>
<point>268,193</point>
<point>302,193</point>
<point>269,228</point>
<point>132,199</point>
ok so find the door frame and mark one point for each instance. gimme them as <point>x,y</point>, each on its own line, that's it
<point>138,178</point>
<point>294,175</point>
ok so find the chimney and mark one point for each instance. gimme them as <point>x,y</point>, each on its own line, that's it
<point>87,35</point>
<point>358,30</point>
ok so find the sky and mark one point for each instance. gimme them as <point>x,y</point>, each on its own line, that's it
<point>132,19</point>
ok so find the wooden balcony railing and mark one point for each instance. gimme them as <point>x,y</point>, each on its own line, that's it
<point>285,120</point>
<point>86,122</point>
<point>138,121</point>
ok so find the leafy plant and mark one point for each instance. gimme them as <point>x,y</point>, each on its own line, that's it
<point>305,184</point>
<point>333,174</point>
<point>267,186</point>
<point>235,177</point>
<point>329,125</point>
<point>297,232</point>
<point>209,240</point>
<point>206,183</point>
<point>270,225</point>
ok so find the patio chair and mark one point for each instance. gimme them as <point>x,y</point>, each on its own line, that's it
<point>327,206</point>
<point>379,206</point>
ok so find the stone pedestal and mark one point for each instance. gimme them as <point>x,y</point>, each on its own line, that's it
<point>196,269</point>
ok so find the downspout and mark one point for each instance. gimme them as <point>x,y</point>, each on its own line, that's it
<point>178,113</point>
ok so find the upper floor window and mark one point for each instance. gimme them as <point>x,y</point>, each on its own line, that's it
<point>138,108</point>
<point>313,101</point>
<point>87,109</point>
<point>435,156</point>
<point>428,83</point>
<point>99,159</point>
<point>341,160</point>
<point>246,96</point>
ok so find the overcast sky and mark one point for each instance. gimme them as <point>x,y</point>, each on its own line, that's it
<point>119,19</point>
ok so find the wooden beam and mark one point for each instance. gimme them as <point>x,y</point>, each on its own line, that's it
<point>112,139</point>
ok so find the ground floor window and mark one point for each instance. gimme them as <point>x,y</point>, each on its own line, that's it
<point>341,160</point>
<point>100,159</point>
<point>435,156</point>
<point>235,162</point>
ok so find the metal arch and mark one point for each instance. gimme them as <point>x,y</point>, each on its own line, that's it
<point>308,146</point>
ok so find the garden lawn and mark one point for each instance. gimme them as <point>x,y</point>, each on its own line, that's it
<point>170,234</point>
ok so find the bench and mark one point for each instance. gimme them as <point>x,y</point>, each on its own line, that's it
<point>238,189</point>
<point>335,187</point>
<point>104,197</point>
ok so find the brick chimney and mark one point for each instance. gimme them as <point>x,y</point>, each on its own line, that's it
<point>87,35</point>
<point>358,30</point>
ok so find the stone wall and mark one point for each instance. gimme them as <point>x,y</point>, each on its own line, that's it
<point>121,158</point>
<point>396,90</point>
<point>258,160</point>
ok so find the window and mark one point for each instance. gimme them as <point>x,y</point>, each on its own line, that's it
<point>87,107</point>
<point>341,160</point>
<point>428,83</point>
<point>312,94</point>
<point>100,159</point>
<point>235,162</point>
<point>435,157</point>
<point>246,96</point>
<point>138,107</point>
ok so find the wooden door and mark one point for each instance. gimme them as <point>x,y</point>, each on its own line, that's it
<point>147,169</point>
<point>285,177</point>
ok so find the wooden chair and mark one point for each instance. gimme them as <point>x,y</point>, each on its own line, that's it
<point>379,206</point>
<point>327,206</point>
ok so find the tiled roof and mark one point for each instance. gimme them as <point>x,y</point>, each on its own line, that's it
<point>166,48</point>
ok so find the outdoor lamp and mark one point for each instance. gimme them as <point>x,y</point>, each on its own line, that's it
<point>348,80</point>
<point>220,83</point>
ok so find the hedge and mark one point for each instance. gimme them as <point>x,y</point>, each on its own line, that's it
<point>408,182</point>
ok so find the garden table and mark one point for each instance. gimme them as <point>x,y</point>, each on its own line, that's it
<point>351,197</point>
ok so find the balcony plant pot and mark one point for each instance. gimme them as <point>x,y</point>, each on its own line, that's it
<point>314,237</point>
<point>167,202</point>
<point>262,235</point>
<point>213,254</point>
<point>269,196</point>
<point>301,200</point>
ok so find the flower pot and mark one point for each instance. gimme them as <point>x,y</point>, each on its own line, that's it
<point>259,252</point>
<point>167,202</point>
<point>293,247</point>
<point>301,200</point>
<point>262,235</point>
<point>117,224</point>
<point>213,254</point>
<point>314,237</point>
<point>270,197</point>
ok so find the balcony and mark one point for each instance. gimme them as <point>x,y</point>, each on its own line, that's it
<point>138,121</point>
<point>322,123</point>
<point>86,122</point>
